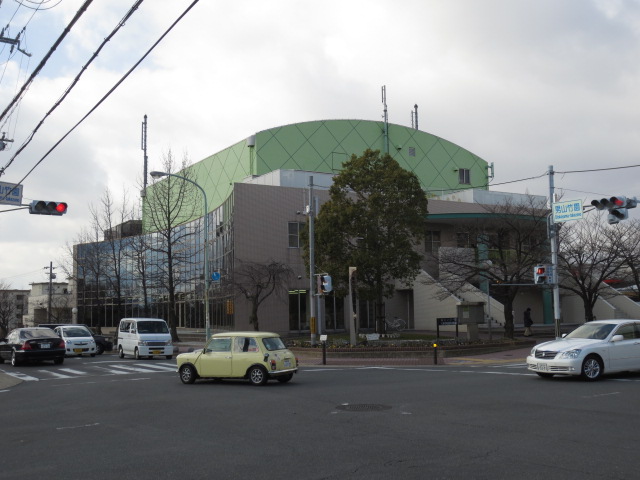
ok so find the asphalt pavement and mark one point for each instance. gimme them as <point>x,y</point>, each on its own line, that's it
<point>516,355</point>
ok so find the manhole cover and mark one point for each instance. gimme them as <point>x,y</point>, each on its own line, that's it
<point>363,407</point>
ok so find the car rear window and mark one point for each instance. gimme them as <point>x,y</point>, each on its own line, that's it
<point>37,333</point>
<point>77,332</point>
<point>273,343</point>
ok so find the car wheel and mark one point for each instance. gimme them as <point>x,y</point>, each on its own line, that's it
<point>136,354</point>
<point>14,359</point>
<point>545,375</point>
<point>285,378</point>
<point>1,359</point>
<point>99,349</point>
<point>169,357</point>
<point>592,368</point>
<point>120,352</point>
<point>257,376</point>
<point>187,374</point>
<point>58,361</point>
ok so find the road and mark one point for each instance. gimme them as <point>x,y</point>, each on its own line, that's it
<point>125,419</point>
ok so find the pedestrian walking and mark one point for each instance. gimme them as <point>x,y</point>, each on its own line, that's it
<point>527,322</point>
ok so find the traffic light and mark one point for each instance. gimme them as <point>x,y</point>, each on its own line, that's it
<point>541,274</point>
<point>617,207</point>
<point>324,284</point>
<point>40,207</point>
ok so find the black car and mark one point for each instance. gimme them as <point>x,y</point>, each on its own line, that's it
<point>102,343</point>
<point>32,345</point>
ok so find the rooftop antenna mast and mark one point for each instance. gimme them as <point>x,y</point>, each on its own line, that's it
<point>144,149</point>
<point>414,114</point>
<point>386,119</point>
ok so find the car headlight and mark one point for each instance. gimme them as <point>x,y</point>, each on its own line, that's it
<point>142,343</point>
<point>533,352</point>
<point>571,353</point>
<point>169,342</point>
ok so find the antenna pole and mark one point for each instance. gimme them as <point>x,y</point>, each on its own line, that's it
<point>386,119</point>
<point>144,149</point>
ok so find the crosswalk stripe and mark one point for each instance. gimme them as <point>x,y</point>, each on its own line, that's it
<point>23,377</point>
<point>75,372</point>
<point>162,367</point>
<point>133,369</point>
<point>54,374</point>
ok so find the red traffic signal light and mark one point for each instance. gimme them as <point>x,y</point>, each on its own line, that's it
<point>41,207</point>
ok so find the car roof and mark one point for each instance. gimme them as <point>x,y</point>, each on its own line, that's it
<point>246,334</point>
<point>614,321</point>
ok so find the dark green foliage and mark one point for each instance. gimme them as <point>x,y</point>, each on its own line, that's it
<point>376,214</point>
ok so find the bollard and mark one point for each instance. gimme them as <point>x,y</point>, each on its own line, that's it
<point>324,353</point>
<point>435,353</point>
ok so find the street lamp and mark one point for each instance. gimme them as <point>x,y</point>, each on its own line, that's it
<point>207,327</point>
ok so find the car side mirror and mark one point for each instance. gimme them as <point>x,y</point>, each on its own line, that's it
<point>617,338</point>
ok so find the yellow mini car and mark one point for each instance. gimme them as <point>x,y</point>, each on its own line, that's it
<point>256,356</point>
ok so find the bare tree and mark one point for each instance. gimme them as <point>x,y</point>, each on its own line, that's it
<point>107,218</point>
<point>628,237</point>
<point>501,248</point>
<point>170,205</point>
<point>257,281</point>
<point>589,253</point>
<point>7,308</point>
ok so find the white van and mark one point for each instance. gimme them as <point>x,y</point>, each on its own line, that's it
<point>144,337</point>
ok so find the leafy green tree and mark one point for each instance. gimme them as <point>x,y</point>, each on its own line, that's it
<point>375,215</point>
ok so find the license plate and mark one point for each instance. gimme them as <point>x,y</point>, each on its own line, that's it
<point>287,362</point>
<point>156,352</point>
<point>543,367</point>
<point>77,350</point>
<point>45,345</point>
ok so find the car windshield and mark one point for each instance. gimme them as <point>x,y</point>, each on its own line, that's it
<point>273,343</point>
<point>152,327</point>
<point>76,332</point>
<point>37,333</point>
<point>595,331</point>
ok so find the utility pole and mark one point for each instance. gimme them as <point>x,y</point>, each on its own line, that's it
<point>312,263</point>
<point>51,277</point>
<point>553,239</point>
<point>386,119</point>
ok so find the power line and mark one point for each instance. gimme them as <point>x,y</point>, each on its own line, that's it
<point>73,83</point>
<point>44,60</point>
<point>113,89</point>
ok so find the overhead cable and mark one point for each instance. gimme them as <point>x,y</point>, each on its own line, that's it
<point>73,83</point>
<point>113,89</point>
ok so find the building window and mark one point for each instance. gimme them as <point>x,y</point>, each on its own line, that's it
<point>432,241</point>
<point>464,240</point>
<point>464,176</point>
<point>412,151</point>
<point>294,234</point>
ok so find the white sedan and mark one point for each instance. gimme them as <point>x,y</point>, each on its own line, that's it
<point>592,349</point>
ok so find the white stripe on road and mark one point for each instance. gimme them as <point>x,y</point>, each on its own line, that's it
<point>54,374</point>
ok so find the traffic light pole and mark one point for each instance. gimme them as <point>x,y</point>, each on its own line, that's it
<point>553,239</point>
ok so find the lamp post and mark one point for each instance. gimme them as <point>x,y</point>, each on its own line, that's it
<point>207,327</point>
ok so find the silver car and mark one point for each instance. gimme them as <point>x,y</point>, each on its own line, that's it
<point>592,349</point>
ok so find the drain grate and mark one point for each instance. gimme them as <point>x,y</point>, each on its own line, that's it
<point>363,407</point>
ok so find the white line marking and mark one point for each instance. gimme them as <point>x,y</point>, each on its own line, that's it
<point>75,372</point>
<point>54,374</point>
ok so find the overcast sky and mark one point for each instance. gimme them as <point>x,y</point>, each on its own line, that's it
<point>522,83</point>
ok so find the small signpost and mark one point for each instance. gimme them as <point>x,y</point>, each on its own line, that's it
<point>10,194</point>
<point>567,211</point>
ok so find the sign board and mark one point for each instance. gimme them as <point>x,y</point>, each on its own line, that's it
<point>10,194</point>
<point>323,338</point>
<point>215,276</point>
<point>567,211</point>
<point>447,321</point>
